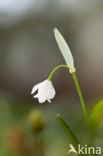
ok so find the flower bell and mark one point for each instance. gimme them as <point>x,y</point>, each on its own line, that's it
<point>46,91</point>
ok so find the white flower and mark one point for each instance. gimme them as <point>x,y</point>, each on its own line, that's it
<point>46,91</point>
<point>65,50</point>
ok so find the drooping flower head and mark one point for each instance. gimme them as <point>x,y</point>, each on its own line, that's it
<point>46,91</point>
<point>65,50</point>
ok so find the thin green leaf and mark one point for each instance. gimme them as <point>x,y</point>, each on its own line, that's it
<point>69,132</point>
<point>96,114</point>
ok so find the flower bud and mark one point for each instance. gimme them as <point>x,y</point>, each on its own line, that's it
<point>65,50</point>
<point>37,121</point>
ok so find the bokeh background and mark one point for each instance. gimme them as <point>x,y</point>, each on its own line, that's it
<point>28,53</point>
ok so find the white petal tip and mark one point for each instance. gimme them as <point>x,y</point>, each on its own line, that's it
<point>31,92</point>
<point>54,29</point>
<point>35,96</point>
<point>49,100</point>
<point>41,102</point>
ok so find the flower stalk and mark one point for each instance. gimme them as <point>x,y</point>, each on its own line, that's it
<point>77,87</point>
<point>79,94</point>
<point>81,98</point>
<point>54,70</point>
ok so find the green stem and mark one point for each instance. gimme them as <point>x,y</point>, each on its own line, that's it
<point>36,140</point>
<point>39,144</point>
<point>42,146</point>
<point>78,90</point>
<point>81,98</point>
<point>60,66</point>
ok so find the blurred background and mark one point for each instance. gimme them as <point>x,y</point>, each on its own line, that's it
<point>28,53</point>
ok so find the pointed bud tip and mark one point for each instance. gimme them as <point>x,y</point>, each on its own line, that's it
<point>58,115</point>
<point>55,30</point>
<point>64,48</point>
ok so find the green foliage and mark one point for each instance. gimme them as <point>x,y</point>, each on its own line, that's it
<point>15,113</point>
<point>69,132</point>
<point>96,114</point>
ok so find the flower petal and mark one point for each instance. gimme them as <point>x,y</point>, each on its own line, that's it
<point>41,100</point>
<point>49,100</point>
<point>36,96</point>
<point>46,91</point>
<point>35,88</point>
